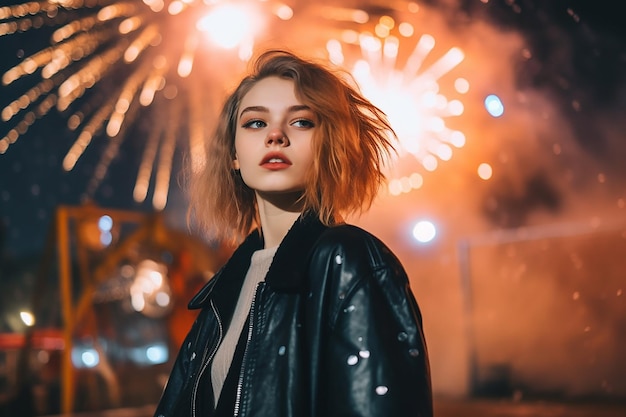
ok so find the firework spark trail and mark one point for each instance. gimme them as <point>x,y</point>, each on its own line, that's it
<point>159,199</point>
<point>140,192</point>
<point>82,53</point>
<point>86,135</point>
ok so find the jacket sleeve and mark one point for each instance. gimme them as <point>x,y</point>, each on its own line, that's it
<point>373,359</point>
<point>172,397</point>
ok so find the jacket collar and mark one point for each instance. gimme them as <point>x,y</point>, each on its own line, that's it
<point>288,269</point>
<point>287,272</point>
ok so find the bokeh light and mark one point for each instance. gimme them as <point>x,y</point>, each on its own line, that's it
<point>27,318</point>
<point>485,171</point>
<point>150,292</point>
<point>424,231</point>
<point>494,105</point>
<point>85,357</point>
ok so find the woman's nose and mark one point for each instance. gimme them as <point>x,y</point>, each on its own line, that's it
<point>276,137</point>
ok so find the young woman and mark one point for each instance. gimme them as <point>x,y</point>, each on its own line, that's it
<point>310,317</point>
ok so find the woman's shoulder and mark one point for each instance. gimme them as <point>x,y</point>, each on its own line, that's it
<point>345,257</point>
<point>355,244</point>
<point>345,233</point>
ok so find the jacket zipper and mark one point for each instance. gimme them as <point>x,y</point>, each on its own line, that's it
<point>208,360</point>
<point>245,353</point>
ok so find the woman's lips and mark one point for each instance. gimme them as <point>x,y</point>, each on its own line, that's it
<point>275,161</point>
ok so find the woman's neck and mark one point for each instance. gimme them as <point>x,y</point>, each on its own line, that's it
<point>276,218</point>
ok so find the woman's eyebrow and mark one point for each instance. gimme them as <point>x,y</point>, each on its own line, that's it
<point>254,108</point>
<point>298,107</point>
<point>263,109</point>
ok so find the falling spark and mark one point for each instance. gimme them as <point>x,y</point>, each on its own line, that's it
<point>409,94</point>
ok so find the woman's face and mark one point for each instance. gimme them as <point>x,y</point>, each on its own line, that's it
<point>274,138</point>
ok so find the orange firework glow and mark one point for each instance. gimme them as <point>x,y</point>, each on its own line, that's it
<point>112,63</point>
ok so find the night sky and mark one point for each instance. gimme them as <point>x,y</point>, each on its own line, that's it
<point>579,62</point>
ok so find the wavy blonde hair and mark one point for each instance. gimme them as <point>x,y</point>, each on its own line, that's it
<point>351,144</point>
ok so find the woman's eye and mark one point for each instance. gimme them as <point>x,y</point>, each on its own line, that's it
<point>254,124</point>
<point>304,123</point>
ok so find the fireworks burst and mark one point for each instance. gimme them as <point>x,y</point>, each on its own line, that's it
<point>410,94</point>
<point>110,63</point>
<point>142,54</point>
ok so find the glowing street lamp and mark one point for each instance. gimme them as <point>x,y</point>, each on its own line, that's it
<point>27,318</point>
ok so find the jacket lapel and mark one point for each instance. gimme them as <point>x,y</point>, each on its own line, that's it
<point>228,280</point>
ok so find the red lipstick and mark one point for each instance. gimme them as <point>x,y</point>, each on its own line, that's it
<point>275,161</point>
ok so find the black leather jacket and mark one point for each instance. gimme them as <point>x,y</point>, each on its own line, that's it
<point>333,331</point>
